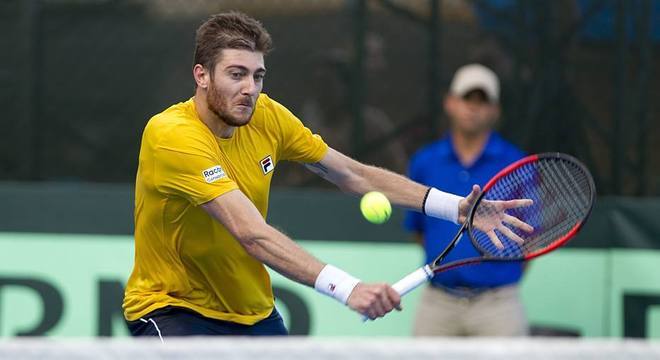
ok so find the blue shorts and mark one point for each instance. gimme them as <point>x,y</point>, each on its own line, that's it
<point>177,321</point>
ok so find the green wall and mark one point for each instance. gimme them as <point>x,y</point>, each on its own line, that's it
<point>575,289</point>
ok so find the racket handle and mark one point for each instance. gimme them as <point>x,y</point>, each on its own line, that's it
<point>413,280</point>
<point>410,282</point>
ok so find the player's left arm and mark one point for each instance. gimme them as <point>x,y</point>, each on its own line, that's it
<point>354,177</point>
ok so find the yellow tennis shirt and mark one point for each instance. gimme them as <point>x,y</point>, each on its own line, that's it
<point>183,257</point>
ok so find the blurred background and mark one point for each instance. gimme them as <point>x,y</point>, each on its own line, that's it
<point>79,79</point>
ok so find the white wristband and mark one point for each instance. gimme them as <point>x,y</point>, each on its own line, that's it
<point>335,283</point>
<point>442,205</point>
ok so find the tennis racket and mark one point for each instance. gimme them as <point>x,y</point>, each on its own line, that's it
<point>562,192</point>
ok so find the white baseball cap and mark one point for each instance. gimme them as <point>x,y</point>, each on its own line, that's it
<point>476,77</point>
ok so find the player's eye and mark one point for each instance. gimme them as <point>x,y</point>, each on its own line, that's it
<point>259,77</point>
<point>236,75</point>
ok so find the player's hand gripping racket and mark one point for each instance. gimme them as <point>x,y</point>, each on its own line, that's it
<point>562,193</point>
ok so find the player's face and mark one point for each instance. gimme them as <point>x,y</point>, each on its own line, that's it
<point>472,113</point>
<point>236,84</point>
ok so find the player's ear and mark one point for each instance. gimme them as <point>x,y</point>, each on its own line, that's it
<point>201,76</point>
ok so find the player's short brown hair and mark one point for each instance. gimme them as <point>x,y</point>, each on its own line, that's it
<point>230,30</point>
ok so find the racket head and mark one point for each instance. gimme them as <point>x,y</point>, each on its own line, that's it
<point>563,192</point>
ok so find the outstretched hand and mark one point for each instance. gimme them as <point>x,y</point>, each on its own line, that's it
<point>491,216</point>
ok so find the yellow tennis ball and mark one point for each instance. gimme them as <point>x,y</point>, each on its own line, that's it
<point>375,207</point>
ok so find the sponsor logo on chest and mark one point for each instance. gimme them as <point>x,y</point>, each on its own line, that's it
<point>267,165</point>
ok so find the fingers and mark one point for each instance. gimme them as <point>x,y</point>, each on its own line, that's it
<point>474,194</point>
<point>377,310</point>
<point>466,203</point>
<point>514,221</point>
<point>494,239</point>
<point>394,298</point>
<point>385,301</point>
<point>510,234</point>
<point>512,204</point>
<point>382,305</point>
<point>371,314</point>
<point>375,300</point>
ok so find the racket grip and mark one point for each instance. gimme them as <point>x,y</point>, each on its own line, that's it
<point>413,280</point>
<point>410,282</point>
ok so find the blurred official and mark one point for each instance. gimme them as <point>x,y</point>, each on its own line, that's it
<point>479,299</point>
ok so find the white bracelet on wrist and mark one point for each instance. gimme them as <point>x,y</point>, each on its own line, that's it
<point>441,205</point>
<point>335,283</point>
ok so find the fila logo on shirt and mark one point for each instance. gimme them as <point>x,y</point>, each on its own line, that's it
<point>267,165</point>
<point>213,174</point>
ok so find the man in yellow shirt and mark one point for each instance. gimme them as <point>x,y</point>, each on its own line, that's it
<point>202,187</point>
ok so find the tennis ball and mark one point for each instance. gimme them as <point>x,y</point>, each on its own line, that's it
<point>375,207</point>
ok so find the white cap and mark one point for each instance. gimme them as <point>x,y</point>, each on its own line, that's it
<point>476,77</point>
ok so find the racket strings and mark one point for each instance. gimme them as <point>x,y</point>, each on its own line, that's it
<point>576,200</point>
<point>561,191</point>
<point>559,198</point>
<point>561,203</point>
<point>558,203</point>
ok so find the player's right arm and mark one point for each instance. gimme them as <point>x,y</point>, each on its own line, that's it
<point>268,245</point>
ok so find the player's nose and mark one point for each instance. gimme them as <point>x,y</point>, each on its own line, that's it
<point>250,86</point>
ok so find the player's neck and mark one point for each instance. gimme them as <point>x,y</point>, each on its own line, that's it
<point>218,127</point>
<point>468,146</point>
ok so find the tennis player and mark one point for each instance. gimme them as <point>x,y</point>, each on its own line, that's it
<point>201,198</point>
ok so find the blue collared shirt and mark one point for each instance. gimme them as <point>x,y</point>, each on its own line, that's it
<point>437,165</point>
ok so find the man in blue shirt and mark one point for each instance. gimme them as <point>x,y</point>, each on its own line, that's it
<point>479,299</point>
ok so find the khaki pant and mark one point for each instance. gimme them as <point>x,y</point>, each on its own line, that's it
<point>497,312</point>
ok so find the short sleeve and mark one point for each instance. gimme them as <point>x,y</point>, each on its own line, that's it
<point>413,220</point>
<point>298,142</point>
<point>189,168</point>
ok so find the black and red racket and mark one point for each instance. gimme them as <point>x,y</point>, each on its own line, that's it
<point>562,192</point>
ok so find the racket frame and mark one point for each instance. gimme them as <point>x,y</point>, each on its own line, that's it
<point>506,171</point>
<point>435,267</point>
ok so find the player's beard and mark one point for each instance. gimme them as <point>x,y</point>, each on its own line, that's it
<point>217,104</point>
